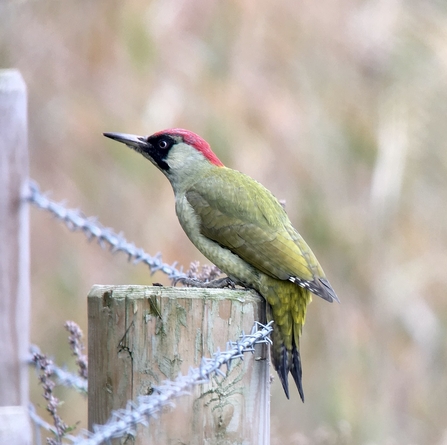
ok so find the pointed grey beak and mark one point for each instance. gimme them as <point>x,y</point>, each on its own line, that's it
<point>130,140</point>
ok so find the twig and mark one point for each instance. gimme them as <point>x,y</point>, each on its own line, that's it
<point>64,377</point>
<point>205,274</point>
<point>76,346</point>
<point>60,427</point>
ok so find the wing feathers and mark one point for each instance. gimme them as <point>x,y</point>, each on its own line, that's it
<point>251,223</point>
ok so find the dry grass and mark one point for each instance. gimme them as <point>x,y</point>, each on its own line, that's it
<point>338,107</point>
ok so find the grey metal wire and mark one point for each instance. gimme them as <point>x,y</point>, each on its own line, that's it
<point>123,422</point>
<point>76,221</point>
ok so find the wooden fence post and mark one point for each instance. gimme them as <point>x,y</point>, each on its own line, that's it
<point>139,336</point>
<point>14,261</point>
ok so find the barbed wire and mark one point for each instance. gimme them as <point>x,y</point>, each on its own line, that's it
<point>92,229</point>
<point>149,405</point>
<point>64,377</point>
<point>124,421</point>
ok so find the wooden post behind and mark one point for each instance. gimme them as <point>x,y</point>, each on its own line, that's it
<point>139,336</point>
<point>14,261</point>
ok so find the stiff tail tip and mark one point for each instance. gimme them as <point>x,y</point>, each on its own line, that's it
<point>289,362</point>
<point>297,371</point>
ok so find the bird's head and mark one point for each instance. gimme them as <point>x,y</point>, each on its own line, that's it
<point>176,152</point>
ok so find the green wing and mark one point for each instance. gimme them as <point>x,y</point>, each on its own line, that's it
<point>250,222</point>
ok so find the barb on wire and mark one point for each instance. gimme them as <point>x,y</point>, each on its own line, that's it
<point>124,421</point>
<point>75,220</point>
<point>64,377</point>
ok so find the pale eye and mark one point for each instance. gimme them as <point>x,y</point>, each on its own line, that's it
<point>163,144</point>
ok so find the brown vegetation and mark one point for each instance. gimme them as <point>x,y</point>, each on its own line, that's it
<point>337,107</point>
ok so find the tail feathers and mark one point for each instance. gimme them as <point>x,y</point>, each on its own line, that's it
<point>285,361</point>
<point>283,371</point>
<point>286,306</point>
<point>297,371</point>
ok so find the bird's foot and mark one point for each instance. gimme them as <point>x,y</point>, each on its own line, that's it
<point>214,284</point>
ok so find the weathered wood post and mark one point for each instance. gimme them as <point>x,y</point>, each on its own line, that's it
<point>14,261</point>
<point>142,335</point>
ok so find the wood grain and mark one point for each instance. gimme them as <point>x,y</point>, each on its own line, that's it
<point>142,335</point>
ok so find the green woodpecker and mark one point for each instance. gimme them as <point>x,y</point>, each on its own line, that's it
<point>243,229</point>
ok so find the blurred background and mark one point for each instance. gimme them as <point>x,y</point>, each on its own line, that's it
<point>338,107</point>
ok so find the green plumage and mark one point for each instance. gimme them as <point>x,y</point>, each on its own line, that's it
<point>241,227</point>
<point>241,215</point>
